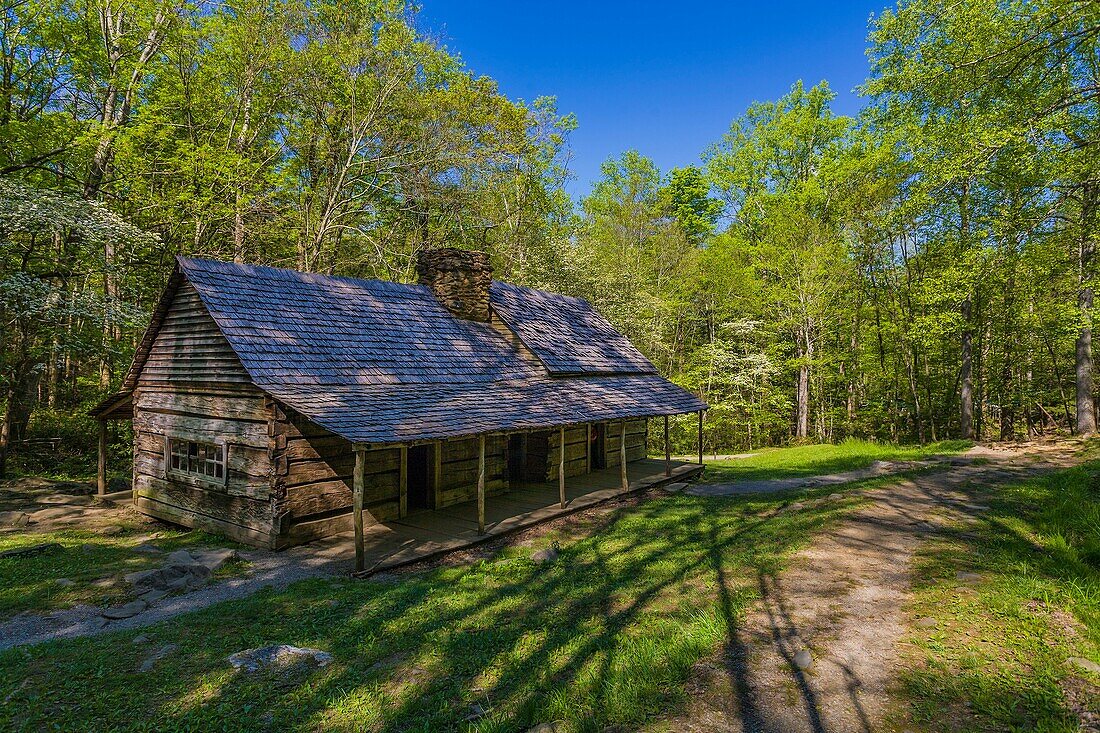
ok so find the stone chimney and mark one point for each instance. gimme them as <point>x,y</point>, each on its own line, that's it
<point>459,279</point>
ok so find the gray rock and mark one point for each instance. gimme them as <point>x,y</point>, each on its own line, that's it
<point>57,512</point>
<point>133,608</point>
<point>545,555</point>
<point>555,727</point>
<point>1086,664</point>
<point>171,577</point>
<point>151,661</point>
<point>476,711</point>
<point>14,519</point>
<point>65,500</point>
<point>64,582</point>
<point>927,622</point>
<point>966,577</point>
<point>214,559</point>
<point>180,557</point>
<point>153,596</point>
<point>148,549</point>
<point>140,639</point>
<point>795,507</point>
<point>803,660</point>
<point>39,549</point>
<point>675,487</point>
<point>112,530</point>
<point>277,655</point>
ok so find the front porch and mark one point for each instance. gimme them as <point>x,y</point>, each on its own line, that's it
<point>426,534</point>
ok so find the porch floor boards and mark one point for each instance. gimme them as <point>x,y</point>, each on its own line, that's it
<point>425,534</point>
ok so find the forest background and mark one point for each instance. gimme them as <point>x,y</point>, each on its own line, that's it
<point>923,270</point>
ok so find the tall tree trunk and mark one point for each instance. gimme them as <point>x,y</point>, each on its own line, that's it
<point>966,381</point>
<point>1086,406</point>
<point>802,399</point>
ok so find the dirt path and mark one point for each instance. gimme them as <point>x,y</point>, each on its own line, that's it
<point>842,601</point>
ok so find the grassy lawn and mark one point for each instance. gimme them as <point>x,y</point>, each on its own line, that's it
<point>93,562</point>
<point>604,636</point>
<point>815,460</point>
<point>996,657</point>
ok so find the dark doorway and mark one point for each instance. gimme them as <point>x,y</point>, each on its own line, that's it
<point>421,463</point>
<point>597,447</point>
<point>537,456</point>
<point>517,458</point>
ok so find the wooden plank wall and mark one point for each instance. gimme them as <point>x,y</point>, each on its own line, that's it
<point>313,479</point>
<point>635,441</point>
<point>459,464</point>
<point>576,453</point>
<point>193,387</point>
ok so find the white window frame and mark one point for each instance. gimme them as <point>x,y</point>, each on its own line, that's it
<point>221,460</point>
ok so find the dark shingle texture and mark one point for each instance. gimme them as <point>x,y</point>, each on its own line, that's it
<point>380,362</point>
<point>566,334</point>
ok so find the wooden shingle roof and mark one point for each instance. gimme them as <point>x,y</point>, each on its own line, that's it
<point>382,362</point>
<point>567,334</point>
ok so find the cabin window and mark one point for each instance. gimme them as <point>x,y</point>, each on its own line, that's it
<point>192,458</point>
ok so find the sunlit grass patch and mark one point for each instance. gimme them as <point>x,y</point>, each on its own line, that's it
<point>996,657</point>
<point>605,635</point>
<point>816,460</point>
<point>90,564</point>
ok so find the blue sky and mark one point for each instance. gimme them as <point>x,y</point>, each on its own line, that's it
<point>663,78</point>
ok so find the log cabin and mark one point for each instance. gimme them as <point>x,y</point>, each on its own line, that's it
<point>277,407</point>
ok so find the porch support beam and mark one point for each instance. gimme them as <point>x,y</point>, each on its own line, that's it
<point>481,484</point>
<point>403,483</point>
<point>561,466</point>
<point>357,507</point>
<point>700,437</point>
<point>668,451</point>
<point>101,470</point>
<point>622,457</point>
<point>588,448</point>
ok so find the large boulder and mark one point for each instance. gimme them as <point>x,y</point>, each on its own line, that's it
<point>277,655</point>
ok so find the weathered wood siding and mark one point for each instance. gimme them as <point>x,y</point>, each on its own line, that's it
<point>576,453</point>
<point>635,441</point>
<point>194,388</point>
<point>459,465</point>
<point>313,480</point>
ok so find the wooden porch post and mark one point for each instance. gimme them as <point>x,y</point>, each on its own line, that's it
<point>668,451</point>
<point>357,507</point>
<point>403,482</point>
<point>561,466</point>
<point>101,471</point>
<point>700,437</point>
<point>481,485</point>
<point>622,457</point>
<point>588,448</point>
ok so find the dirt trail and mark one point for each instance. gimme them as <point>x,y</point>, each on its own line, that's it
<point>842,600</point>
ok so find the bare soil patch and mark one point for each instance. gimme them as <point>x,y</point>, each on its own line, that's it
<point>842,601</point>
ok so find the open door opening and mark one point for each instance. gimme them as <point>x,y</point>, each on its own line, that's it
<point>597,447</point>
<point>421,494</point>
<point>517,458</point>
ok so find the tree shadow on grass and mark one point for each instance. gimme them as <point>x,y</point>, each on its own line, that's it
<point>606,635</point>
<point>996,658</point>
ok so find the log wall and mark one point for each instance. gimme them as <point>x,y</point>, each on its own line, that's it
<point>635,441</point>
<point>576,453</point>
<point>194,388</point>
<point>458,465</point>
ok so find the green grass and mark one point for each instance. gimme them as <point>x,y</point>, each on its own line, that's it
<point>95,563</point>
<point>815,460</point>
<point>604,636</point>
<point>996,661</point>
